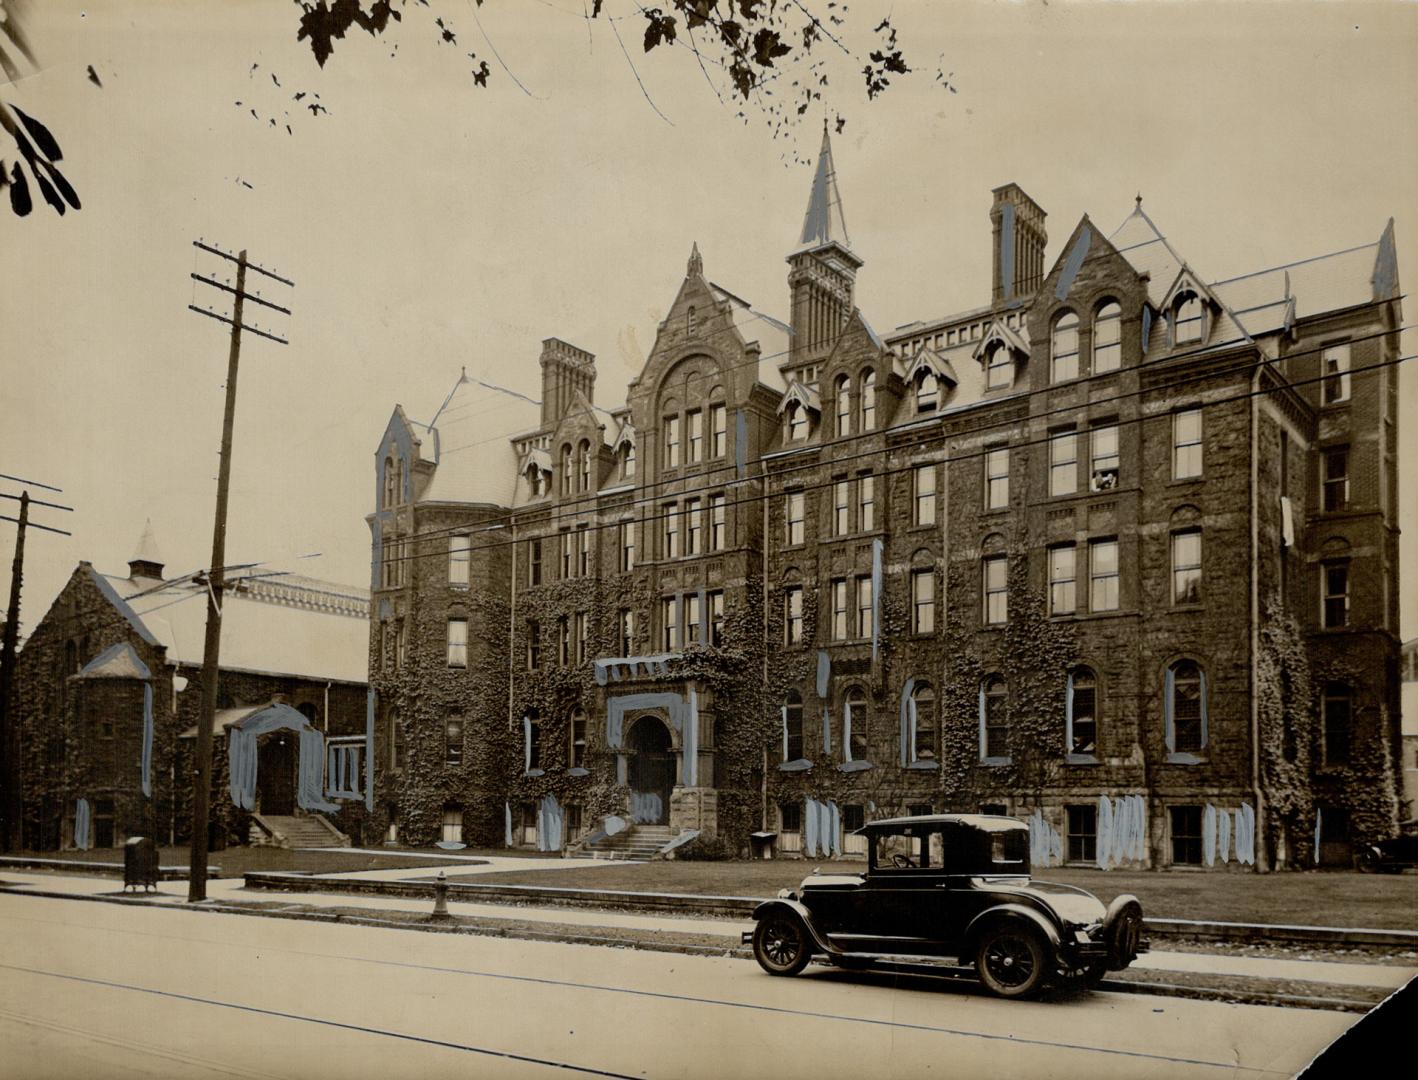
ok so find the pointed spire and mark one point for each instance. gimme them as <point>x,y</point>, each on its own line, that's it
<point>823,222</point>
<point>146,560</point>
<point>696,262</point>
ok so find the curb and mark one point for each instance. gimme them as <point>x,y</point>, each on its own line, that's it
<point>742,907</point>
<point>1119,986</point>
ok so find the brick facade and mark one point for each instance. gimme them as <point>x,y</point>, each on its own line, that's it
<point>1127,462</point>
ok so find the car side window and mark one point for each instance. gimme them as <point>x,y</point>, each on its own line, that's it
<point>1007,848</point>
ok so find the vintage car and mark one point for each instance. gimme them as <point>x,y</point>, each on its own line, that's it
<point>1391,856</point>
<point>957,887</point>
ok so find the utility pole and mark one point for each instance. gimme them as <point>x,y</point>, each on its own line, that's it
<point>11,780</point>
<point>202,779</point>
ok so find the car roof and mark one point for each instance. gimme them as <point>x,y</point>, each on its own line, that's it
<point>986,822</point>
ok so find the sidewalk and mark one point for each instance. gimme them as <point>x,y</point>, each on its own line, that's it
<point>1386,976</point>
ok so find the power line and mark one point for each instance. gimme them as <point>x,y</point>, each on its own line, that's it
<point>582,504</point>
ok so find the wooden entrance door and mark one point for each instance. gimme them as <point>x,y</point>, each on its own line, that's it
<point>275,772</point>
<point>652,771</point>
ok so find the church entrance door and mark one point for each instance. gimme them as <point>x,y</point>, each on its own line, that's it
<point>652,771</point>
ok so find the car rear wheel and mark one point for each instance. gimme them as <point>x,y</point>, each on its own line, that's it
<point>780,944</point>
<point>1011,960</point>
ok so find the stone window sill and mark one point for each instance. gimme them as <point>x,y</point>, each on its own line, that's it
<point>923,765</point>
<point>995,761</point>
<point>796,765</point>
<point>854,766</point>
<point>575,771</point>
<point>1081,759</point>
<point>1184,757</point>
<point>535,772</point>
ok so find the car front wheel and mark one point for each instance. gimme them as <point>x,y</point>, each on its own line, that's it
<point>1011,961</point>
<point>780,945</point>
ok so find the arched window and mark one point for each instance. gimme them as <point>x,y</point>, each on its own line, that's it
<point>1107,338</point>
<point>922,723</point>
<point>1065,348</point>
<point>1081,711</point>
<point>627,460</point>
<point>1338,722</point>
<point>868,396</point>
<point>999,367</point>
<point>927,391</point>
<point>844,405</point>
<point>792,726</point>
<point>391,482</point>
<point>994,721</point>
<point>1185,708</point>
<point>577,727</point>
<point>583,455</point>
<point>854,725</point>
<point>1188,319</point>
<point>566,469</point>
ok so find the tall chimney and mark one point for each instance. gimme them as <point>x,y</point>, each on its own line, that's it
<point>1019,242</point>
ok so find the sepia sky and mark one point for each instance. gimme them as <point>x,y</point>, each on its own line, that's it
<point>430,224</point>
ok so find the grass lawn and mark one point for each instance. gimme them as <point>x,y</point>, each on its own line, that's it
<point>236,861</point>
<point>1379,901</point>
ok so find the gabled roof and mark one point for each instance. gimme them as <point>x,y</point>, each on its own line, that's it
<point>119,661</point>
<point>998,331</point>
<point>932,361</point>
<point>803,395</point>
<point>626,434</point>
<point>824,222</point>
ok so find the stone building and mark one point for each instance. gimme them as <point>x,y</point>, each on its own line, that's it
<point>108,694</point>
<point>1114,551</point>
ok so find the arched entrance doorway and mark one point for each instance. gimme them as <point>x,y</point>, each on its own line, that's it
<point>275,772</point>
<point>652,771</point>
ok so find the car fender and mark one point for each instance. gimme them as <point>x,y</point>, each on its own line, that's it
<point>804,916</point>
<point>1000,912</point>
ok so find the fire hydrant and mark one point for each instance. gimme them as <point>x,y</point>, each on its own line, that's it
<point>440,898</point>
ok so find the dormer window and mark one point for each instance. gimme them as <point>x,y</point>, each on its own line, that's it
<point>927,392</point>
<point>1188,319</point>
<point>627,460</point>
<point>1065,348</point>
<point>999,368</point>
<point>795,416</point>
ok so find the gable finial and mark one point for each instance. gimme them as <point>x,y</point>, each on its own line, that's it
<point>1139,200</point>
<point>696,262</point>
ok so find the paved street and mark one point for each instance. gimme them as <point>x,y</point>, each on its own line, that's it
<point>108,990</point>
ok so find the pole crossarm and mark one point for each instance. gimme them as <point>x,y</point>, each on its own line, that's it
<point>241,326</point>
<point>36,525</point>
<point>249,265</point>
<point>37,502</point>
<point>214,283</point>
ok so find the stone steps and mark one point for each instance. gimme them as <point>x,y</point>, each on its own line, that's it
<point>639,842</point>
<point>295,831</point>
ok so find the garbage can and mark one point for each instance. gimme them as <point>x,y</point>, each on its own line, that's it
<point>140,862</point>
